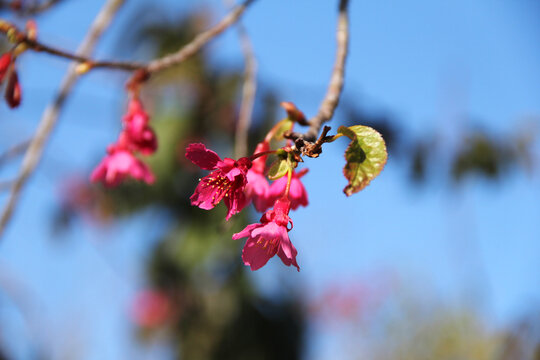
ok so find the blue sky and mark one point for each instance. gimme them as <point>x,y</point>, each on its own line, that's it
<point>437,66</point>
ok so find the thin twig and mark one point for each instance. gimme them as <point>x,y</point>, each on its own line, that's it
<point>51,113</point>
<point>335,87</point>
<point>153,66</point>
<point>14,151</point>
<point>199,41</point>
<point>21,37</point>
<point>119,65</point>
<point>249,89</point>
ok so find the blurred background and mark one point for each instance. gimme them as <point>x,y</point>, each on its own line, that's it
<point>439,258</point>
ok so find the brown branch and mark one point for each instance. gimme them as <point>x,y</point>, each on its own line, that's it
<point>249,89</point>
<point>51,113</point>
<point>335,87</point>
<point>119,65</point>
<point>199,41</point>
<point>153,66</point>
<point>20,37</point>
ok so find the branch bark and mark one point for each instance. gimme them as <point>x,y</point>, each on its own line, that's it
<point>199,41</point>
<point>51,113</point>
<point>306,142</point>
<point>335,87</point>
<point>156,65</point>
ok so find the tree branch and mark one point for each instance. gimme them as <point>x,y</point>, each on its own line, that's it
<point>331,100</point>
<point>153,66</point>
<point>51,113</point>
<point>199,41</point>
<point>333,93</point>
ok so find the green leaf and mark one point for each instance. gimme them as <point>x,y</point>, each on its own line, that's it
<point>284,126</point>
<point>279,168</point>
<point>366,156</point>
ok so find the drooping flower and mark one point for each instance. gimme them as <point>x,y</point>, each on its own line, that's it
<point>269,238</point>
<point>257,186</point>
<point>226,182</point>
<point>5,62</point>
<point>120,164</point>
<point>297,191</point>
<point>13,92</point>
<point>136,126</point>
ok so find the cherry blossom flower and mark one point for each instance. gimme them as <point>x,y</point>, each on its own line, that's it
<point>257,186</point>
<point>120,164</point>
<point>269,238</point>
<point>139,134</point>
<point>297,192</point>
<point>226,182</point>
<point>5,62</point>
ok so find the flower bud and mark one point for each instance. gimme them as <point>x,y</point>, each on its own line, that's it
<point>13,90</point>
<point>83,68</point>
<point>5,62</point>
<point>293,112</point>
<point>31,30</point>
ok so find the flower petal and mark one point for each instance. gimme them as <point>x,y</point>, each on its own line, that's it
<point>202,157</point>
<point>254,255</point>
<point>246,232</point>
<point>287,252</point>
<point>235,203</point>
<point>257,190</point>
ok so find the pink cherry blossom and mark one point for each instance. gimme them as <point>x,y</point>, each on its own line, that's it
<point>269,238</point>
<point>226,182</point>
<point>257,186</point>
<point>257,190</point>
<point>120,164</point>
<point>297,192</point>
<point>136,126</point>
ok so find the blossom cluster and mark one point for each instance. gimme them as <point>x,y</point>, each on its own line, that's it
<point>243,181</point>
<point>136,137</point>
<point>8,69</point>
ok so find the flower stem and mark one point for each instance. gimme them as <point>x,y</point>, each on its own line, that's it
<point>289,179</point>
<point>258,155</point>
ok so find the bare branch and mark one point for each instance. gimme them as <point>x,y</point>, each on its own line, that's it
<point>51,113</point>
<point>153,66</point>
<point>335,87</point>
<point>199,41</point>
<point>19,36</point>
